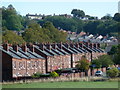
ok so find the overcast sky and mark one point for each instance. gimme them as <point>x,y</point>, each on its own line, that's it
<point>90,7</point>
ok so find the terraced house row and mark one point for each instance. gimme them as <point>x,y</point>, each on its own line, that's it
<point>24,60</point>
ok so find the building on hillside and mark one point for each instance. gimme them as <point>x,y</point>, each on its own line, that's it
<point>34,16</point>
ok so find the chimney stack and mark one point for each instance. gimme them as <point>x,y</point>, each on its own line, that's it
<point>60,45</point>
<point>98,45</point>
<point>95,45</point>
<point>15,47</point>
<point>71,44</point>
<point>6,46</point>
<point>87,44</point>
<point>54,45</point>
<point>48,46</point>
<point>77,45</point>
<point>91,45</point>
<point>67,45</point>
<point>42,46</point>
<point>24,48</point>
<point>31,47</point>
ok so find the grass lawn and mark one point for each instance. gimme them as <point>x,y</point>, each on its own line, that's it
<point>105,84</point>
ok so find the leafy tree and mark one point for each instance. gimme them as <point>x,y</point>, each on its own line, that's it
<point>97,63</point>
<point>113,50</point>
<point>11,20</point>
<point>71,24</point>
<point>12,37</point>
<point>117,17</point>
<point>83,64</point>
<point>107,17</point>
<point>114,72</point>
<point>105,60</point>
<point>78,13</point>
<point>54,34</point>
<point>35,34</point>
<point>116,56</point>
<point>91,26</point>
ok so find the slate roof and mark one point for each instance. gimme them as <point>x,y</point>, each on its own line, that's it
<point>79,50</point>
<point>18,53</point>
<point>44,52</point>
<point>51,51</point>
<point>72,52</point>
<point>21,54</point>
<point>63,51</point>
<point>57,51</point>
<point>36,55</point>
<point>10,53</point>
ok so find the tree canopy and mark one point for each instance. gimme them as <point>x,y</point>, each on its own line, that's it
<point>115,53</point>
<point>78,13</point>
<point>35,34</point>
<point>102,61</point>
<point>117,17</point>
<point>11,19</point>
<point>83,64</point>
<point>11,37</point>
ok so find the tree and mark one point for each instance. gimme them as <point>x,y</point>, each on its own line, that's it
<point>12,37</point>
<point>68,24</point>
<point>115,53</point>
<point>83,64</point>
<point>11,20</point>
<point>117,17</point>
<point>36,34</point>
<point>78,13</point>
<point>54,33</point>
<point>114,72</point>
<point>113,50</point>
<point>96,63</point>
<point>116,56</point>
<point>105,60</point>
<point>107,17</point>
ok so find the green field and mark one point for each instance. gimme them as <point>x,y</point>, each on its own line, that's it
<point>105,84</point>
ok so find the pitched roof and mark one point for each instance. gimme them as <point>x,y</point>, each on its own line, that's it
<point>44,52</point>
<point>10,53</point>
<point>67,49</point>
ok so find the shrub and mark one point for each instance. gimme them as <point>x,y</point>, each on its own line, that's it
<point>36,75</point>
<point>54,74</point>
<point>113,72</point>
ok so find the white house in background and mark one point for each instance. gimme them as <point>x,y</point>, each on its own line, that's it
<point>100,37</point>
<point>34,16</point>
<point>90,36</point>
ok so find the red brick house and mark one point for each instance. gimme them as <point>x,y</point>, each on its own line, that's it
<point>25,60</point>
<point>17,62</point>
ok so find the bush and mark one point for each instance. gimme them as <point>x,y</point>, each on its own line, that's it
<point>114,72</point>
<point>54,74</point>
<point>36,75</point>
